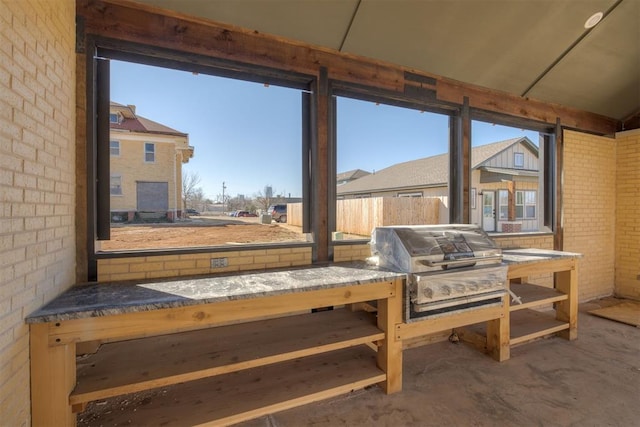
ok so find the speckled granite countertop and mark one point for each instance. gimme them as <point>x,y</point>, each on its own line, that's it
<point>530,255</point>
<point>103,299</point>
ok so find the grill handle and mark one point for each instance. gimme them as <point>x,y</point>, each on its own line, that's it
<point>461,261</point>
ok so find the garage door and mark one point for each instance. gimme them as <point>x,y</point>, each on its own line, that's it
<point>153,196</point>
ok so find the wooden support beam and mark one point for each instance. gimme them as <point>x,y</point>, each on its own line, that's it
<point>390,351</point>
<point>139,23</point>
<point>53,376</point>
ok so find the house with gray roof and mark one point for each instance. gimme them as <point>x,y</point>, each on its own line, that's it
<point>504,184</point>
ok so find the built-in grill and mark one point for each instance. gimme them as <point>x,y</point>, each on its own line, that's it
<point>449,267</point>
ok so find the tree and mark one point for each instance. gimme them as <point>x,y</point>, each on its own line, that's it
<point>190,189</point>
<point>264,200</point>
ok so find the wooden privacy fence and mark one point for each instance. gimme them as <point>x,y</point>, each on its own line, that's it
<point>360,216</point>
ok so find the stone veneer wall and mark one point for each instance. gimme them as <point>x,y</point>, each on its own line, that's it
<point>590,210</point>
<point>627,255</point>
<point>37,179</point>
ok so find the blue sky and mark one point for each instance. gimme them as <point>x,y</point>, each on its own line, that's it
<point>248,135</point>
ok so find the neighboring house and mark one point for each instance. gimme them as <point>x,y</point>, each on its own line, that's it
<point>504,184</point>
<point>345,177</point>
<point>146,166</point>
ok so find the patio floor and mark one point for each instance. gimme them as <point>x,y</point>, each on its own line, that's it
<point>592,381</point>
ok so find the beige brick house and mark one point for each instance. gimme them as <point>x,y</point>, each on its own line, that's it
<point>146,161</point>
<point>504,184</point>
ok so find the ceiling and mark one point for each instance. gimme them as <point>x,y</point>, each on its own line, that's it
<point>532,48</point>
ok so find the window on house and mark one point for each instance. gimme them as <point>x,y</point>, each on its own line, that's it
<point>114,148</point>
<point>116,185</point>
<point>474,196</point>
<point>149,152</point>
<point>518,160</point>
<point>503,205</point>
<point>414,194</point>
<point>113,118</point>
<point>403,153</point>
<point>525,204</point>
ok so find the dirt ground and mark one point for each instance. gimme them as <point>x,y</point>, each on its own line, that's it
<point>199,231</point>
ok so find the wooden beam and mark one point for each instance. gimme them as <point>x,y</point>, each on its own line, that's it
<point>139,23</point>
<point>322,235</point>
<point>512,105</point>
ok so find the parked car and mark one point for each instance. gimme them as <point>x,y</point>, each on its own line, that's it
<point>278,212</point>
<point>192,212</point>
<point>246,214</point>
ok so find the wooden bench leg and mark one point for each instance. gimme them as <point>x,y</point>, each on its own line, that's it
<point>53,377</point>
<point>498,331</point>
<point>390,352</point>
<point>567,310</point>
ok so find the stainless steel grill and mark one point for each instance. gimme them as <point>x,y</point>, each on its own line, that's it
<point>449,267</point>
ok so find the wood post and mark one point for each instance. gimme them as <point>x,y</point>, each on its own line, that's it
<point>53,377</point>
<point>390,352</point>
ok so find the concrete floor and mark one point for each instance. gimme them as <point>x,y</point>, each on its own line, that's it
<point>592,381</point>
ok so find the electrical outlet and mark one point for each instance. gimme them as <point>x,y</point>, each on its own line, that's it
<point>219,262</point>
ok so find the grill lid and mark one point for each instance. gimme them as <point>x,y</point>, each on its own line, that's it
<point>422,248</point>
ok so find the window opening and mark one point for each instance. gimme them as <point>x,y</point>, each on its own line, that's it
<point>518,160</point>
<point>508,162</point>
<point>525,204</point>
<point>503,204</point>
<point>116,185</point>
<point>114,148</point>
<point>149,152</point>
<point>217,154</point>
<point>389,159</point>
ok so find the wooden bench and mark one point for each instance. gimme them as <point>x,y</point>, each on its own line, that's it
<point>244,352</point>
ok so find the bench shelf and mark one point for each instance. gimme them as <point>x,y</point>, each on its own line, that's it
<point>140,364</point>
<point>534,296</point>
<point>243,395</point>
<point>527,325</point>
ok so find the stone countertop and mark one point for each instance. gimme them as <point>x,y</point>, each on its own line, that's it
<point>531,255</point>
<point>103,299</point>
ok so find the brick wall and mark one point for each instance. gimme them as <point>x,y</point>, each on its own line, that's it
<point>590,209</point>
<point>37,179</point>
<point>627,262</point>
<point>131,167</point>
<point>150,267</point>
<point>357,252</point>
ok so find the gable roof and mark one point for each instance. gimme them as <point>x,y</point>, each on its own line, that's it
<point>351,175</point>
<point>426,172</point>
<point>134,123</point>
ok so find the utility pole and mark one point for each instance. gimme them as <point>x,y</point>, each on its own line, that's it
<point>224,187</point>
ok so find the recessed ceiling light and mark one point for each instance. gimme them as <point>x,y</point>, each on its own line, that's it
<point>593,20</point>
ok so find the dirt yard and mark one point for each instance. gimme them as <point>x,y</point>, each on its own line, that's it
<point>202,231</point>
